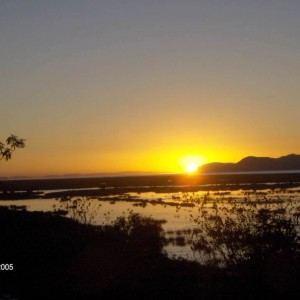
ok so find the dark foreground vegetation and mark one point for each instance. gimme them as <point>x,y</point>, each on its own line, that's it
<point>58,258</point>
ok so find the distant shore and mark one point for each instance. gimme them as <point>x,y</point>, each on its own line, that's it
<point>149,181</point>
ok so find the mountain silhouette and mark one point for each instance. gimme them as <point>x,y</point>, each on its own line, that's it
<point>252,163</point>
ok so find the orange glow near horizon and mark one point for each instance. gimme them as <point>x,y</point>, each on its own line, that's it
<point>181,160</point>
<point>174,159</point>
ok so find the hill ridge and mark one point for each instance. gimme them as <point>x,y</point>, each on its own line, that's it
<point>255,163</point>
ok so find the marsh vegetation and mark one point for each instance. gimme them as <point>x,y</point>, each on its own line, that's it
<point>216,243</point>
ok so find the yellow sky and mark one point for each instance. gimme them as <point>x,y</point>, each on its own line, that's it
<point>112,86</point>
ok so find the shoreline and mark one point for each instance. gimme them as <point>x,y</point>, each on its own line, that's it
<point>147,181</point>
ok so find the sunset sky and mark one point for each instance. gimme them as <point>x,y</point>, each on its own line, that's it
<point>136,85</point>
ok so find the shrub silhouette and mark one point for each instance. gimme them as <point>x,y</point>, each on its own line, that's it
<point>227,237</point>
<point>143,235</point>
<point>79,209</point>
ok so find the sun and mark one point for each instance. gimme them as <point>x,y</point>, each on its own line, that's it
<point>191,168</point>
<point>190,163</point>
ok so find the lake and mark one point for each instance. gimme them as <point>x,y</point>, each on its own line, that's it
<point>178,206</point>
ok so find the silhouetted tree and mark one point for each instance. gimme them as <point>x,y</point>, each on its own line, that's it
<point>11,144</point>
